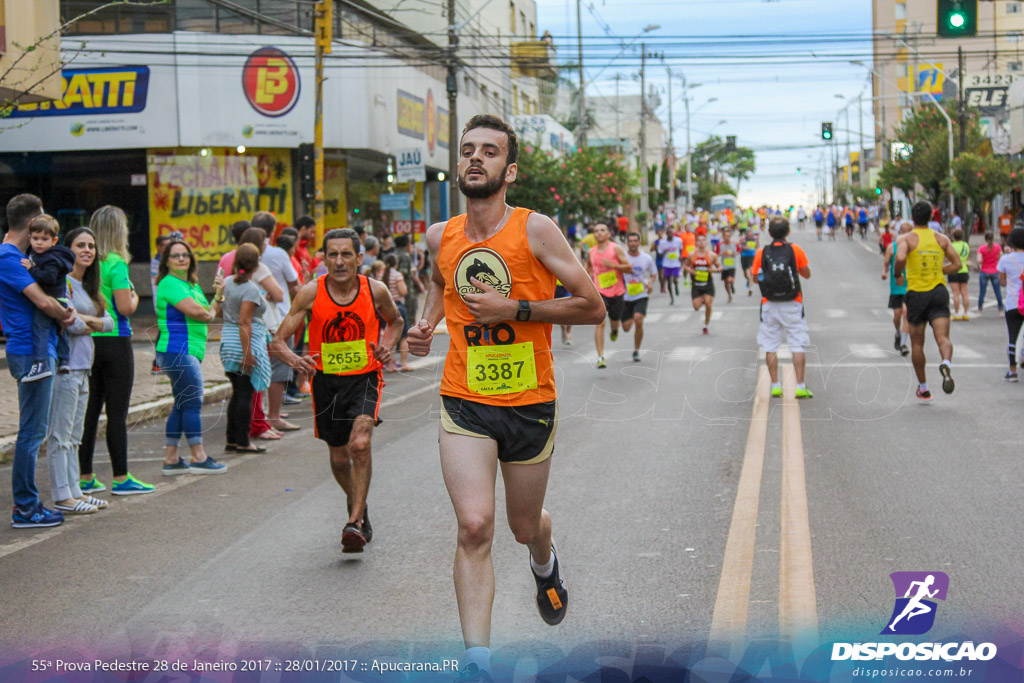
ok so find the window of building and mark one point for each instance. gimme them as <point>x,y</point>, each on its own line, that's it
<point>901,11</point>
<point>196,15</point>
<point>1015,66</point>
<point>522,21</point>
<point>533,32</point>
<point>903,100</point>
<point>1013,8</point>
<point>1014,37</point>
<point>512,16</point>
<point>115,19</point>
<point>902,70</point>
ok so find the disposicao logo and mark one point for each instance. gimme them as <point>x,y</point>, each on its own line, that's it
<point>914,611</point>
<point>914,614</point>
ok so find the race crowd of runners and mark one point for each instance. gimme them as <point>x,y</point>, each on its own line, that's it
<point>499,277</point>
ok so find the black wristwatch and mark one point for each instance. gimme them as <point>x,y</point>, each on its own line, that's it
<point>523,314</point>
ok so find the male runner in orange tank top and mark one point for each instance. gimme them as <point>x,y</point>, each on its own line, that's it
<point>345,362</point>
<point>493,280</point>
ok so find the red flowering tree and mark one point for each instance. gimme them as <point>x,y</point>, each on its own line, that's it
<point>589,183</point>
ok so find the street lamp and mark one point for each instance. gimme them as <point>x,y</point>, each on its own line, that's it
<point>689,165</point>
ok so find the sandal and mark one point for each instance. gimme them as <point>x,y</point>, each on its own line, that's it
<point>74,506</point>
<point>269,435</point>
<point>230,448</point>
<point>98,503</point>
<point>250,449</point>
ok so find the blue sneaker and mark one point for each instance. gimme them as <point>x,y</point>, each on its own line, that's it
<point>40,517</point>
<point>93,485</point>
<point>208,466</point>
<point>180,467</point>
<point>131,487</point>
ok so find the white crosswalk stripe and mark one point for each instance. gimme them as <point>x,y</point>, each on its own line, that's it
<point>835,313</point>
<point>783,353</point>
<point>717,315</point>
<point>653,317</point>
<point>961,352</point>
<point>679,317</point>
<point>868,351</point>
<point>686,353</point>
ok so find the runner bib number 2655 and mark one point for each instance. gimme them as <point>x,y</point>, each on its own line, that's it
<point>343,357</point>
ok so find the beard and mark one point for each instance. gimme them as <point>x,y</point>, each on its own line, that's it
<point>488,189</point>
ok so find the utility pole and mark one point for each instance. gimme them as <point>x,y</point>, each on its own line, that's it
<point>644,189</point>
<point>671,147</point>
<point>618,114</point>
<point>452,84</point>
<point>323,32</point>
<point>860,148</point>
<point>689,150</point>
<point>581,110</point>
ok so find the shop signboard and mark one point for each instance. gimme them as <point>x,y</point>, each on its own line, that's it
<point>410,165</point>
<point>407,227</point>
<point>394,202</point>
<point>203,195</point>
<point>335,195</point>
<point>989,92</point>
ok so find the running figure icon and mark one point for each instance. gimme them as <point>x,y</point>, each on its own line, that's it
<point>916,607</point>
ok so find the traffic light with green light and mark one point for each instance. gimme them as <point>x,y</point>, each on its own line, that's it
<point>826,130</point>
<point>878,190</point>
<point>957,18</point>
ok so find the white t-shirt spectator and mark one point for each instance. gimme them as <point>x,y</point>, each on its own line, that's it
<point>1011,264</point>
<point>280,265</point>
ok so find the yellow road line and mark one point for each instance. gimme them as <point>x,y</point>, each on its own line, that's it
<point>798,611</point>
<point>729,619</point>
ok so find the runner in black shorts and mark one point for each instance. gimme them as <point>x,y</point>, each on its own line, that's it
<point>701,264</point>
<point>345,360</point>
<point>727,252</point>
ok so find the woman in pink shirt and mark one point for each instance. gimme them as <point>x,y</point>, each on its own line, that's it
<point>988,260</point>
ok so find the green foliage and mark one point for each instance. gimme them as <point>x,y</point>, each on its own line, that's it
<point>713,165</point>
<point>980,178</point>
<point>927,160</point>
<point>590,183</point>
<point>860,195</point>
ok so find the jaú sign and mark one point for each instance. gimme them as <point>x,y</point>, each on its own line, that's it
<point>271,82</point>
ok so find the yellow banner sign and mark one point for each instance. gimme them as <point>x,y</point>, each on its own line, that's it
<point>202,196</point>
<point>335,196</point>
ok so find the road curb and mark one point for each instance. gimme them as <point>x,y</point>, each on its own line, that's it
<point>140,412</point>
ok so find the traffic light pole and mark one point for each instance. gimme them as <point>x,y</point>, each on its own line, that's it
<point>453,115</point>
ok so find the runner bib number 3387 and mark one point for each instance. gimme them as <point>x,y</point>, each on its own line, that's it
<point>501,369</point>
<point>343,357</point>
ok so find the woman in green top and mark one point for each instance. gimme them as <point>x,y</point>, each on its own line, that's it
<point>183,314</point>
<point>113,365</point>
<point>958,280</point>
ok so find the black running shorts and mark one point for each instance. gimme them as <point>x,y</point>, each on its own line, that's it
<point>746,262</point>
<point>728,273</point>
<point>339,399</point>
<point>896,301</point>
<point>698,292</point>
<point>631,308</point>
<point>959,277</point>
<point>525,434</point>
<point>924,307</point>
<point>613,304</point>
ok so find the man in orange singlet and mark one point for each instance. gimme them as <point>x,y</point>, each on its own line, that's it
<point>493,281</point>
<point>345,362</point>
<point>607,265</point>
<point>689,238</point>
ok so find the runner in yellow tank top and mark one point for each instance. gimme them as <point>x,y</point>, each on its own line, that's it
<point>488,302</point>
<point>927,257</point>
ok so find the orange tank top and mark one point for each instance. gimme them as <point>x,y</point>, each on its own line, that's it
<point>341,333</point>
<point>507,363</point>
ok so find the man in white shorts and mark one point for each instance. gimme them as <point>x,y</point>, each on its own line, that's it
<point>777,268</point>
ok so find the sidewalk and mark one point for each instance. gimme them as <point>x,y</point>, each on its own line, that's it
<point>151,395</point>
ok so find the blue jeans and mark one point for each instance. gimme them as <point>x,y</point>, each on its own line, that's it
<point>33,418</point>
<point>985,278</point>
<point>42,324</point>
<point>186,375</point>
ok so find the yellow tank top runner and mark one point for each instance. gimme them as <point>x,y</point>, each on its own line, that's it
<point>924,263</point>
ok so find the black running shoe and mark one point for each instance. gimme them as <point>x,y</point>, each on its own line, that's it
<point>352,538</point>
<point>552,594</point>
<point>947,379</point>
<point>897,343</point>
<point>367,529</point>
<point>473,674</point>
<point>904,351</point>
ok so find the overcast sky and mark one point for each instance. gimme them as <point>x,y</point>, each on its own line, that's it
<point>764,104</point>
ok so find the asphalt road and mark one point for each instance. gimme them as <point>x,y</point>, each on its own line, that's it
<point>645,494</point>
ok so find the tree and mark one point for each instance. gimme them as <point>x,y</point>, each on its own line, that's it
<point>713,165</point>
<point>980,178</point>
<point>590,183</point>
<point>925,160</point>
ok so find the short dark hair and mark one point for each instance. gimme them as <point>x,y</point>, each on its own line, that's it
<point>778,228</point>
<point>359,230</point>
<point>633,234</point>
<point>305,222</point>
<point>921,213</point>
<point>499,124</point>
<point>255,237</point>
<point>289,231</point>
<point>401,241</point>
<point>1016,238</point>
<point>238,229</point>
<point>21,209</point>
<point>44,223</point>
<point>265,221</point>
<point>958,235</point>
<point>342,234</point>
<point>286,241</point>
<point>162,239</point>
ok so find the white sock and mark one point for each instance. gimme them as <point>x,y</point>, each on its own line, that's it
<point>543,570</point>
<point>905,337</point>
<point>801,386</point>
<point>923,386</point>
<point>947,363</point>
<point>481,656</point>
<point>776,385</point>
